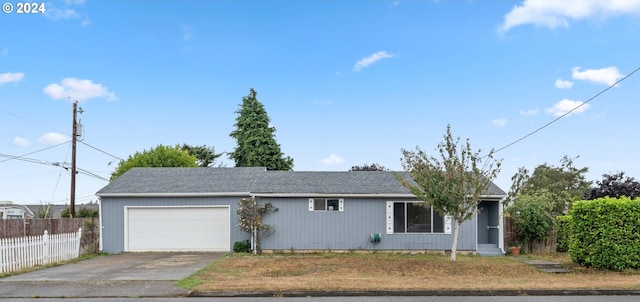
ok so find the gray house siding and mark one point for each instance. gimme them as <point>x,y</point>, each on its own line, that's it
<point>298,228</point>
<point>365,196</point>
<point>113,216</point>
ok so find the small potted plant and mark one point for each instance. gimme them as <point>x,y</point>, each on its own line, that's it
<point>514,248</point>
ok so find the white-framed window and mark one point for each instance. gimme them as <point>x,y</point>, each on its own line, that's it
<point>326,204</point>
<point>405,217</point>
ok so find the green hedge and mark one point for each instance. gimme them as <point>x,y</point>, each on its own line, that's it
<point>606,233</point>
<point>563,224</point>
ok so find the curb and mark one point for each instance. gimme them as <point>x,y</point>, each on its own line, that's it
<point>416,293</point>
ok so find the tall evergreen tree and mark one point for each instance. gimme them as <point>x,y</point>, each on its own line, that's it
<point>256,145</point>
<point>206,155</point>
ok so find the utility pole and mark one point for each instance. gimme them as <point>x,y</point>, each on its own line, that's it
<point>74,137</point>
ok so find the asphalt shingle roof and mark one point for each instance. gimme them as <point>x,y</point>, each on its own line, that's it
<point>362,182</point>
<point>258,180</point>
<point>184,180</point>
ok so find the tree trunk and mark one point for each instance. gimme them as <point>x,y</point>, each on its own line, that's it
<point>454,244</point>
<point>256,242</point>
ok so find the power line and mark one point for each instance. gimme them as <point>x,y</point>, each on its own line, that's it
<point>28,120</point>
<point>18,157</point>
<point>567,113</point>
<point>94,148</point>
<point>55,188</point>
<point>63,165</point>
<point>26,159</point>
<point>89,173</point>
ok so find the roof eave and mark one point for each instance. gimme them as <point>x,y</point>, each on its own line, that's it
<point>285,195</point>
<point>353,195</point>
<point>195,194</point>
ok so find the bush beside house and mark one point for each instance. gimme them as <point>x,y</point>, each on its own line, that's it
<point>605,233</point>
<point>563,233</point>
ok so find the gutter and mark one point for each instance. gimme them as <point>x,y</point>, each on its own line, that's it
<point>255,194</point>
<point>203,194</point>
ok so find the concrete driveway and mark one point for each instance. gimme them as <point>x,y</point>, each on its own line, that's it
<point>119,275</point>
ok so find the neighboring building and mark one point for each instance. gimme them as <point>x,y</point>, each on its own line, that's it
<point>9,210</point>
<point>54,210</point>
<point>194,209</point>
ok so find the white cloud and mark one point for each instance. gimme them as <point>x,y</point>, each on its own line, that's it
<point>396,3</point>
<point>608,76</point>
<point>529,112</point>
<point>53,138</point>
<point>85,21</point>
<point>4,52</point>
<point>366,61</point>
<point>332,160</point>
<point>61,14</point>
<point>501,122</point>
<point>563,84</point>
<point>187,32</point>
<point>68,13</point>
<point>566,105</point>
<point>20,141</point>
<point>10,77</point>
<point>554,13</point>
<point>78,89</point>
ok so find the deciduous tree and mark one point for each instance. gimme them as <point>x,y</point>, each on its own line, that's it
<point>371,167</point>
<point>256,145</point>
<point>206,155</point>
<point>532,215</point>
<point>565,183</point>
<point>614,186</point>
<point>250,216</point>
<point>452,183</point>
<point>160,156</point>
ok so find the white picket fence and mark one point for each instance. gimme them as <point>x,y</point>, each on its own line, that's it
<point>26,252</point>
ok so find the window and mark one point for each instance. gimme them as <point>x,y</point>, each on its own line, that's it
<point>413,217</point>
<point>326,204</point>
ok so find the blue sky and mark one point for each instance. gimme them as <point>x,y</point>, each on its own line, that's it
<point>344,82</point>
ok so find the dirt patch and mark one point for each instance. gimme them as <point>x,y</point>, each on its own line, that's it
<point>386,271</point>
<point>173,261</point>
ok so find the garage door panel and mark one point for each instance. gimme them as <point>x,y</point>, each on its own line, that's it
<point>178,229</point>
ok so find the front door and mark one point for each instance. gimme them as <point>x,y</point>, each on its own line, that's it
<point>489,222</point>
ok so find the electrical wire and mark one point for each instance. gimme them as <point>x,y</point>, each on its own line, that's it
<point>89,173</point>
<point>567,113</point>
<point>28,120</point>
<point>29,160</point>
<point>94,148</point>
<point>55,188</point>
<point>18,157</point>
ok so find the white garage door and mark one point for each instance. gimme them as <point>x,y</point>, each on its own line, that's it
<point>177,229</point>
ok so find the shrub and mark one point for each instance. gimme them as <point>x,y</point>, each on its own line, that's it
<point>83,212</point>
<point>242,246</point>
<point>532,217</point>
<point>605,233</point>
<point>563,233</point>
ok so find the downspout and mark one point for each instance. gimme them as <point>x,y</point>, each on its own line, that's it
<point>99,200</point>
<point>501,225</point>
<point>254,232</point>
